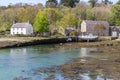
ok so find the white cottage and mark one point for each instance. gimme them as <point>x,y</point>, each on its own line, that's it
<point>21,28</point>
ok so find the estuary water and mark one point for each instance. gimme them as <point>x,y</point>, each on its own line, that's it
<point>22,62</point>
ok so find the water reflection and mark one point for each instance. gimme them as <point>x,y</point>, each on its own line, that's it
<point>18,52</point>
<point>18,57</point>
<point>86,76</point>
<point>22,62</point>
<point>84,52</point>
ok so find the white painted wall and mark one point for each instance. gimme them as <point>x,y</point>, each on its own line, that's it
<point>18,31</point>
<point>114,33</point>
<point>26,31</point>
<point>29,29</point>
<point>83,27</point>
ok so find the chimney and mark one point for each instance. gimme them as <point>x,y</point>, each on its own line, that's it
<point>28,22</point>
<point>14,22</point>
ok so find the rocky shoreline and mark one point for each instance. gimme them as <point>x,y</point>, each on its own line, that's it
<point>106,64</point>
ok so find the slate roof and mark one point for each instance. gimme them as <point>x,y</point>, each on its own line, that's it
<point>96,22</point>
<point>115,27</point>
<point>20,25</point>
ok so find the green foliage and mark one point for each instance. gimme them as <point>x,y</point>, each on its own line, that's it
<point>51,3</point>
<point>53,15</point>
<point>56,19</point>
<point>4,27</point>
<point>69,3</point>
<point>41,22</point>
<point>116,14</point>
<point>91,14</point>
<point>118,2</point>
<point>93,2</point>
<point>107,2</point>
<point>68,19</point>
<point>99,13</point>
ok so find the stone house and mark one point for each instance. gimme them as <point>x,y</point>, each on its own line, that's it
<point>100,28</point>
<point>21,28</point>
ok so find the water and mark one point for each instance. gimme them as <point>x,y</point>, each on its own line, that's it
<point>21,62</point>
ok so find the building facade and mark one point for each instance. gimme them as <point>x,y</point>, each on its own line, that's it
<point>114,31</point>
<point>21,28</point>
<point>100,28</point>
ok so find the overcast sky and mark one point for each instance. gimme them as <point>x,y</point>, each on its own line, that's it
<point>7,2</point>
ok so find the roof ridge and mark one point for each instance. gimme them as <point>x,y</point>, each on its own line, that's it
<point>20,25</point>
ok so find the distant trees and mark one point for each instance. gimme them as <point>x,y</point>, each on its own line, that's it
<point>93,2</point>
<point>51,3</point>
<point>116,14</point>
<point>54,1</point>
<point>56,19</point>
<point>118,2</point>
<point>99,13</point>
<point>106,2</point>
<point>69,3</point>
<point>19,12</point>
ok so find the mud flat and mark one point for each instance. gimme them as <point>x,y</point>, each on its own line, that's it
<point>106,64</point>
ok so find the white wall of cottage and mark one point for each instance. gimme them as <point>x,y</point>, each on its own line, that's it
<point>26,31</point>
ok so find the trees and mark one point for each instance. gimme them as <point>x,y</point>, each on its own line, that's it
<point>46,20</point>
<point>93,2</point>
<point>116,14</point>
<point>6,19</point>
<point>68,19</point>
<point>41,23</point>
<point>69,3</point>
<point>54,1</point>
<point>80,10</point>
<point>52,16</point>
<point>51,3</point>
<point>99,13</point>
<point>106,2</point>
<point>118,2</point>
<point>57,19</point>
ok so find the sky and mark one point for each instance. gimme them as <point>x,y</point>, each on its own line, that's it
<point>7,2</point>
